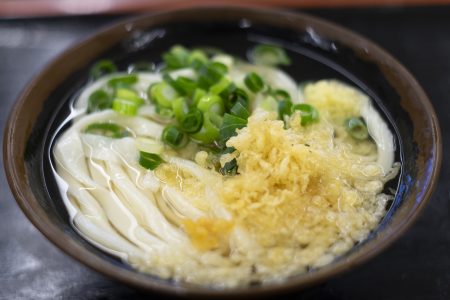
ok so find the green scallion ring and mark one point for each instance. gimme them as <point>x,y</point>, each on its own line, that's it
<point>163,94</point>
<point>254,82</point>
<point>280,95</point>
<point>179,107</point>
<point>209,131</point>
<point>308,113</point>
<point>240,111</point>
<point>176,58</point>
<point>102,68</point>
<point>173,137</point>
<point>218,68</point>
<point>220,86</point>
<point>228,91</point>
<point>125,107</point>
<point>198,94</point>
<point>197,56</point>
<point>150,161</point>
<point>123,80</point>
<point>164,112</point>
<point>128,94</point>
<point>238,95</point>
<point>111,130</point>
<point>186,84</point>
<point>99,100</point>
<point>192,122</point>
<point>211,73</point>
<point>284,108</point>
<point>269,55</point>
<point>173,83</point>
<point>357,128</point>
<point>211,103</point>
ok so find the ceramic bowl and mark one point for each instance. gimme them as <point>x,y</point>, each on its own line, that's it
<point>319,49</point>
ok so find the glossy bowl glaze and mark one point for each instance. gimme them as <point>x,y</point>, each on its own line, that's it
<point>318,49</point>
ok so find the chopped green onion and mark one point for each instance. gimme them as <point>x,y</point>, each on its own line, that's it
<point>218,68</point>
<point>228,150</point>
<point>197,65</point>
<point>281,95</point>
<point>123,80</point>
<point>99,100</point>
<point>103,67</point>
<point>228,91</point>
<point>209,74</point>
<point>126,94</point>
<point>173,137</point>
<point>357,128</point>
<point>238,95</point>
<point>229,126</point>
<point>149,145</point>
<point>163,94</point>
<point>216,119</point>
<point>226,59</point>
<point>179,108</point>
<point>284,108</point>
<point>111,130</point>
<point>126,101</point>
<point>142,66</point>
<point>125,107</point>
<point>130,95</point>
<point>269,55</point>
<point>149,160</point>
<point>240,111</point>
<point>187,84</point>
<point>254,82</point>
<point>176,58</point>
<point>164,112</point>
<point>191,122</point>
<point>308,113</point>
<point>167,78</point>
<point>229,168</point>
<point>221,86</point>
<point>197,56</point>
<point>211,103</point>
<point>198,94</point>
<point>208,133</point>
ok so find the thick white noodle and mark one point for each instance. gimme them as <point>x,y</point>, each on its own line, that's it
<point>143,208</point>
<point>180,203</point>
<point>381,134</point>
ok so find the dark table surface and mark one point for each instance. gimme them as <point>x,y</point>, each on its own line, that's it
<point>416,267</point>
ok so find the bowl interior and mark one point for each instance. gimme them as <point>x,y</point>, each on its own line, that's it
<point>318,51</point>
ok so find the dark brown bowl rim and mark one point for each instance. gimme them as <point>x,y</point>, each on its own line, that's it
<point>18,181</point>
